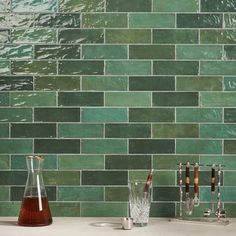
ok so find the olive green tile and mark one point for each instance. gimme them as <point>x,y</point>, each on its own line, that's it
<point>127,130</point>
<point>175,36</point>
<point>81,5</point>
<point>198,146</point>
<point>80,194</point>
<point>21,99</point>
<point>34,67</point>
<point>4,130</point>
<point>17,20</point>
<point>15,114</point>
<point>180,6</point>
<point>4,162</point>
<point>13,83</point>
<point>130,99</point>
<point>105,209</point>
<point>151,51</point>
<point>129,6</point>
<point>199,83</point>
<point>230,20</point>
<point>34,35</point>
<point>104,146</point>
<point>162,210</point>
<point>5,68</point>
<point>218,5</point>
<point>164,178</point>
<point>57,114</point>
<point>217,130</point>
<point>16,51</point>
<point>138,175</point>
<point>105,83</point>
<point>132,67</point>
<point>13,146</point>
<point>4,193</point>
<point>57,146</point>
<point>4,36</point>
<point>200,115</point>
<point>104,20</point>
<point>9,208</point>
<point>5,6</point>
<point>217,99</point>
<point>13,177</point>
<point>66,209</point>
<point>128,36</point>
<point>47,83</point>
<point>229,83</point>
<point>229,147</point>
<point>151,20</point>
<point>104,115</point>
<point>120,194</point>
<point>230,52</point>
<point>4,99</point>
<point>229,115</point>
<point>175,131</point>
<point>128,162</point>
<point>151,114</point>
<point>73,162</point>
<point>33,130</point>
<point>61,177</point>
<point>85,67</point>
<point>80,130</point>
<point>70,36</point>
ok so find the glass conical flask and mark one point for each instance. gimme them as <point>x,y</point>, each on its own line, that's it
<point>35,209</point>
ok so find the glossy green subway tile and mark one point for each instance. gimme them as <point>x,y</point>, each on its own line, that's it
<point>4,193</point>
<point>4,130</point>
<point>12,83</point>
<point>151,146</point>
<point>14,146</point>
<point>151,115</point>
<point>104,115</point>
<point>175,99</point>
<point>128,131</point>
<point>229,179</point>
<point>33,67</point>
<point>61,177</point>
<point>128,162</point>
<point>4,99</point>
<point>16,51</point>
<point>59,20</point>
<point>104,20</point>
<point>81,5</point>
<point>151,51</point>
<point>199,83</point>
<point>4,162</point>
<point>231,209</point>
<point>151,83</point>
<point>218,5</point>
<point>229,115</point>
<point>57,146</point>
<point>73,162</point>
<point>167,194</point>
<point>57,51</point>
<point>80,130</point>
<point>105,52</point>
<point>5,68</point>
<point>32,99</point>
<point>34,35</point>
<point>201,146</point>
<point>66,209</point>
<point>217,36</point>
<point>162,210</point>
<point>175,131</point>
<point>104,146</point>
<point>16,20</point>
<point>9,208</point>
<point>5,6</point>
<point>130,99</point>
<point>229,20</point>
<point>217,130</point>
<point>128,6</point>
<point>13,177</point>
<point>70,36</point>
<point>229,146</point>
<point>128,36</point>
<point>80,99</point>
<point>200,115</point>
<point>120,194</point>
<point>180,6</point>
<point>80,194</point>
<point>151,20</point>
<point>105,209</point>
<point>164,178</point>
<point>33,6</point>
<point>4,36</point>
<point>104,177</point>
<point>230,52</point>
<point>15,114</point>
<point>80,67</point>
<point>46,83</point>
<point>105,83</point>
<point>138,175</point>
<point>175,36</point>
<point>217,99</point>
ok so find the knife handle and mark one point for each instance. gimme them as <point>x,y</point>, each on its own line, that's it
<point>187,177</point>
<point>213,178</point>
<point>196,178</point>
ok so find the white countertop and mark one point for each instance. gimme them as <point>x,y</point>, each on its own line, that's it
<point>112,226</point>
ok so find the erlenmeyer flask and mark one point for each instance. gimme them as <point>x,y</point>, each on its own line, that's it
<point>35,209</point>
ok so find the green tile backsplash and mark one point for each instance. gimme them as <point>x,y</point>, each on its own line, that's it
<point>108,89</point>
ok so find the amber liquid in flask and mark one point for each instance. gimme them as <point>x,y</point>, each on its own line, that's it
<point>35,209</point>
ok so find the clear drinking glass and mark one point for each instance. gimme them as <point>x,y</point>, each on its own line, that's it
<point>139,202</point>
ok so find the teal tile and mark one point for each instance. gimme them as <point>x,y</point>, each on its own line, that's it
<point>4,36</point>
<point>105,83</point>
<point>4,130</point>
<point>5,68</point>
<point>104,20</point>
<point>180,6</point>
<point>13,177</point>
<point>230,52</point>
<point>218,5</point>
<point>229,115</point>
<point>229,180</point>
<point>217,99</point>
<point>67,209</point>
<point>128,67</point>
<point>13,146</point>
<point>15,114</point>
<point>9,208</point>
<point>4,99</point>
<point>4,162</point>
<point>4,193</point>
<point>166,194</point>
<point>130,99</point>
<point>151,20</point>
<point>230,20</point>
<point>229,147</point>
<point>16,51</point>
<point>80,130</point>
<point>8,20</point>
<point>104,146</point>
<point>195,146</point>
<point>104,115</point>
<point>21,99</point>
<point>217,130</point>
<point>162,210</point>
<point>13,83</point>
<point>218,67</point>
<point>120,194</point>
